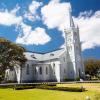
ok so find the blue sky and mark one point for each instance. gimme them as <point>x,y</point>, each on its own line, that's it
<point>38,24</point>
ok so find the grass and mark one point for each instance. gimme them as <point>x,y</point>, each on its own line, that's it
<point>93,90</point>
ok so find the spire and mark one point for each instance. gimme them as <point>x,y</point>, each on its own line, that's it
<point>71,19</point>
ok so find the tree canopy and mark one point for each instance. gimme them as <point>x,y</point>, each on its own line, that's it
<point>10,55</point>
<point>92,66</point>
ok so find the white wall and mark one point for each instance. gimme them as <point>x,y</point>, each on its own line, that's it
<point>27,76</point>
<point>10,75</point>
<point>63,67</point>
<point>17,72</point>
<point>55,65</point>
<point>43,76</point>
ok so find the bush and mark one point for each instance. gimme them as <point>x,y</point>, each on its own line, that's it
<point>67,79</point>
<point>6,86</point>
<point>17,86</point>
<point>21,87</point>
<point>71,89</point>
<point>78,79</point>
<point>48,87</point>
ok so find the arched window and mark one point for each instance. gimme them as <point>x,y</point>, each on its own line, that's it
<point>46,70</point>
<point>40,70</point>
<point>27,69</point>
<point>54,68</point>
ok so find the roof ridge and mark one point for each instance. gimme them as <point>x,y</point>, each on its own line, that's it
<point>45,52</point>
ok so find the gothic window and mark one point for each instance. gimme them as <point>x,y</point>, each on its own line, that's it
<point>79,72</point>
<point>27,69</point>
<point>46,70</point>
<point>40,70</point>
<point>54,68</point>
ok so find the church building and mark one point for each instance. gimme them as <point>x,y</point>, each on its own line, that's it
<point>56,66</point>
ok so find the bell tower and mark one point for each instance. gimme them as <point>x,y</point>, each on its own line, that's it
<point>75,65</point>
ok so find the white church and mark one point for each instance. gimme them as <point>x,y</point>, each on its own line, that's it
<point>55,66</point>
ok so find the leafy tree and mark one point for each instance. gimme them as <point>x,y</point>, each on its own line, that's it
<point>92,66</point>
<point>10,55</point>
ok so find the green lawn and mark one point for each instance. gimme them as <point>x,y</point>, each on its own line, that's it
<point>38,94</point>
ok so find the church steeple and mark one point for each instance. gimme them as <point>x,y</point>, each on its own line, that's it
<point>73,49</point>
<point>71,19</point>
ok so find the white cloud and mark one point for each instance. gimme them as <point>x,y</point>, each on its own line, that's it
<point>86,14</point>
<point>89,25</point>
<point>55,14</point>
<point>15,10</point>
<point>89,22</point>
<point>34,6</point>
<point>32,13</point>
<point>10,18</point>
<point>38,36</point>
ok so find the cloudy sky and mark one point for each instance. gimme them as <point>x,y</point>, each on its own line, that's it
<point>38,24</point>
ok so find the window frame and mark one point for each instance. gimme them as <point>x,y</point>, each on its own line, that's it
<point>46,70</point>
<point>40,70</point>
<point>27,69</point>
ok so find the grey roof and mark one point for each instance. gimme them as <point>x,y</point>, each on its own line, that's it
<point>29,56</point>
<point>43,56</point>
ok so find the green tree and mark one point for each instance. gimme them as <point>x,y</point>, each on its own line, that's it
<point>92,66</point>
<point>10,55</point>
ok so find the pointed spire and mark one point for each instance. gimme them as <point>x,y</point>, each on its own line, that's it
<point>71,19</point>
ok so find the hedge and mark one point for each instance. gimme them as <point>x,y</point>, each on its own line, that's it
<point>48,87</point>
<point>71,89</point>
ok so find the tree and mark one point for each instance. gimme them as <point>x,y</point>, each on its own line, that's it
<point>92,66</point>
<point>10,55</point>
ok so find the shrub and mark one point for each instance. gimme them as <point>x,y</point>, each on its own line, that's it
<point>21,87</point>
<point>17,86</point>
<point>67,79</point>
<point>71,89</point>
<point>48,87</point>
<point>6,86</point>
<point>77,79</point>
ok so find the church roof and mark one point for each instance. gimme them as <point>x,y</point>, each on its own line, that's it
<point>43,56</point>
